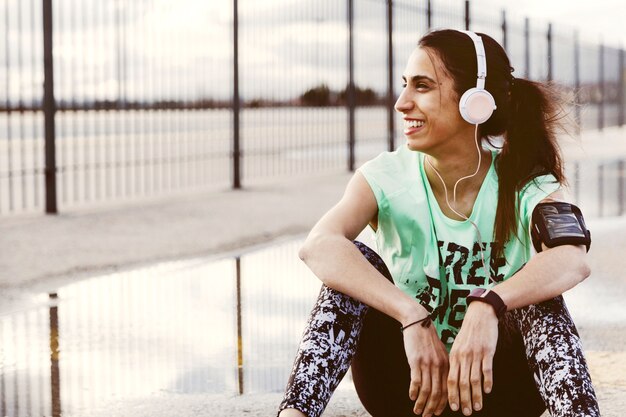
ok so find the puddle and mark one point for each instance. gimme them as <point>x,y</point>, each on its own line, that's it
<point>229,326</point>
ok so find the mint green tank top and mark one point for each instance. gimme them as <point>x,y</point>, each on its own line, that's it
<point>435,259</point>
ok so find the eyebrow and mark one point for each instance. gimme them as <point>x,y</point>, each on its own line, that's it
<point>417,78</point>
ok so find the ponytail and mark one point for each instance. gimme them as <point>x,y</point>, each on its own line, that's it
<point>529,150</point>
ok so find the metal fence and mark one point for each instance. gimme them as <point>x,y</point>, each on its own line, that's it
<point>147,98</point>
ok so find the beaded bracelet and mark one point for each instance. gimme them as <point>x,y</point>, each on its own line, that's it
<point>425,323</point>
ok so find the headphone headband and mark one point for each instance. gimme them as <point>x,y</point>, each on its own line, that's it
<point>477,104</point>
<point>481,59</point>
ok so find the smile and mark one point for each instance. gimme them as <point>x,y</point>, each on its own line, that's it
<point>411,126</point>
<point>413,123</point>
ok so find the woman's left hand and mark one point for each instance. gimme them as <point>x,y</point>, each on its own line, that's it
<point>471,358</point>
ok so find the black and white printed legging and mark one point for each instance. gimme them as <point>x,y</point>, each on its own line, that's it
<point>538,363</point>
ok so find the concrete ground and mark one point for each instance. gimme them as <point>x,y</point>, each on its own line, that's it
<point>39,253</point>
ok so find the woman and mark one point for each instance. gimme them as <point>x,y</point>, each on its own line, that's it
<point>452,219</point>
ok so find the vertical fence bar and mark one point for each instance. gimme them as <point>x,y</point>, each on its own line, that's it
<point>550,61</point>
<point>577,83</point>
<point>620,89</point>
<point>350,96</point>
<point>526,48</point>
<point>20,106</point>
<point>49,108</point>
<point>119,167</point>
<point>429,14</point>
<point>87,143</point>
<point>8,106</point>
<point>505,40</point>
<point>601,87</point>
<point>98,94</point>
<point>620,185</point>
<point>118,51</point>
<point>72,166</point>
<point>600,189</point>
<point>577,182</point>
<point>467,15</point>
<point>236,102</point>
<point>108,143</point>
<point>62,91</point>
<point>390,95</point>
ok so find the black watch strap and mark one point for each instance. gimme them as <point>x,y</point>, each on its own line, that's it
<point>489,297</point>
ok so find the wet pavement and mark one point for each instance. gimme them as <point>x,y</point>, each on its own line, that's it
<point>193,326</point>
<point>199,329</point>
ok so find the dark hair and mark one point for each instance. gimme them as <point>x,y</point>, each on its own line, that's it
<point>529,115</point>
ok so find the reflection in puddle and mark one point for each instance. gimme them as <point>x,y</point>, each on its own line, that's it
<point>226,326</point>
<point>55,385</point>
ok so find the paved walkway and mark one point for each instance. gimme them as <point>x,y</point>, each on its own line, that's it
<point>36,250</point>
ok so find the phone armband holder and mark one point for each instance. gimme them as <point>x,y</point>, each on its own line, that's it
<point>558,223</point>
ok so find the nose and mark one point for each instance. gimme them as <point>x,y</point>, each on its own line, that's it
<point>404,103</point>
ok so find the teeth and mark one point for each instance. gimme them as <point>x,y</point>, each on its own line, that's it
<point>413,123</point>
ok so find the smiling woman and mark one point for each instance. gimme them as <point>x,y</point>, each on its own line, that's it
<point>484,328</point>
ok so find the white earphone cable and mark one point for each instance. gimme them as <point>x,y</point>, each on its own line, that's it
<point>445,189</point>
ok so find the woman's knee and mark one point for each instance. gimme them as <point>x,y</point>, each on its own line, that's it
<point>373,258</point>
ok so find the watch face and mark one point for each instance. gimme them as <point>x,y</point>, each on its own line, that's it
<point>477,292</point>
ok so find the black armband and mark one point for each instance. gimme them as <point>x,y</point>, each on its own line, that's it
<point>558,223</point>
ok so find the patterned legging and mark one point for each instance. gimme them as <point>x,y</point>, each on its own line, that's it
<point>538,362</point>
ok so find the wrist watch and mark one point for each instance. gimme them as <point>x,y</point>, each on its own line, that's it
<point>489,297</point>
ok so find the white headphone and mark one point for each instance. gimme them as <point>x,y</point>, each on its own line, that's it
<point>477,104</point>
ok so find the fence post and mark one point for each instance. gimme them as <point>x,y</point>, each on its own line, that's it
<point>504,32</point>
<point>350,99</point>
<point>390,95</point>
<point>620,89</point>
<point>620,185</point>
<point>429,14</point>
<point>577,182</point>
<point>236,100</point>
<point>600,189</point>
<point>577,83</point>
<point>467,15</point>
<point>601,88</point>
<point>49,110</point>
<point>527,48</point>
<point>550,61</point>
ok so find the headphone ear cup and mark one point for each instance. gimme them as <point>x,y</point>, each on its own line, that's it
<point>476,105</point>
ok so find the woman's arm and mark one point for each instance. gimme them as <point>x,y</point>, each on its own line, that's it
<point>546,275</point>
<point>329,252</point>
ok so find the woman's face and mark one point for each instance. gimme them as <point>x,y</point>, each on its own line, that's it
<point>432,122</point>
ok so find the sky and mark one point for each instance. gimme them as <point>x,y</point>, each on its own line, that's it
<point>596,19</point>
<point>183,50</point>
